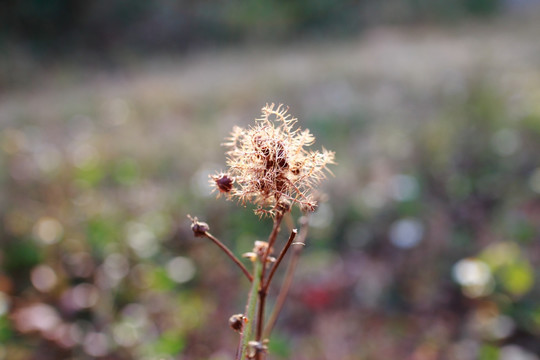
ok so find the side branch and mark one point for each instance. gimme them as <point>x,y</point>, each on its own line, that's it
<point>287,282</point>
<point>272,239</point>
<point>279,259</point>
<point>262,291</point>
<point>230,254</point>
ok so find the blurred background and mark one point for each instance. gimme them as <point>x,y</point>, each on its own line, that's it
<point>111,118</point>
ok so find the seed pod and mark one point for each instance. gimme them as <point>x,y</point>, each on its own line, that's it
<point>223,182</point>
<point>199,228</point>
<point>255,348</point>
<point>236,322</point>
<point>260,248</point>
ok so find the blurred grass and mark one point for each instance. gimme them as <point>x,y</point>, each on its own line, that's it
<point>437,142</point>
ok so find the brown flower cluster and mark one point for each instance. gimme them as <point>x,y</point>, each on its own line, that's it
<point>269,165</point>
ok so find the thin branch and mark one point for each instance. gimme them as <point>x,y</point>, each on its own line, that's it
<point>230,254</point>
<point>279,259</point>
<point>289,221</point>
<point>262,291</point>
<point>271,240</point>
<point>287,282</point>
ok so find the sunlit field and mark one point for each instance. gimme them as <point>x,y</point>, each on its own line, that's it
<point>427,245</point>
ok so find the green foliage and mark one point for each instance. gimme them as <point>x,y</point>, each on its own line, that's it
<point>90,175</point>
<point>160,281</point>
<point>488,352</point>
<point>280,347</point>
<point>517,278</point>
<point>126,171</point>
<point>102,231</point>
<point>5,329</point>
<point>23,254</point>
<point>169,343</point>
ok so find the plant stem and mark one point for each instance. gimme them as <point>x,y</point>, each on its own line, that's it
<point>250,310</point>
<point>262,291</point>
<point>287,282</point>
<point>279,259</point>
<point>230,254</point>
<point>272,238</point>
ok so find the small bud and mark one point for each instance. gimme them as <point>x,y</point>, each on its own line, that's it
<point>236,322</point>
<point>223,182</point>
<point>199,228</point>
<point>260,248</point>
<point>255,348</point>
<point>250,255</point>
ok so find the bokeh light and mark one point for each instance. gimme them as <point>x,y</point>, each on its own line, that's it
<point>43,278</point>
<point>406,233</point>
<point>48,230</point>
<point>181,269</point>
<point>474,276</point>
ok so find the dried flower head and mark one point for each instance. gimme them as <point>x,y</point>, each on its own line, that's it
<point>270,165</point>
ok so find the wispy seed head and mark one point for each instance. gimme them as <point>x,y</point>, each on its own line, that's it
<point>271,166</point>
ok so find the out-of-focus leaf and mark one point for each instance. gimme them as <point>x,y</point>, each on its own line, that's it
<point>279,346</point>
<point>22,254</point>
<point>532,122</point>
<point>5,329</point>
<point>161,281</point>
<point>194,310</point>
<point>90,176</point>
<point>500,254</point>
<point>488,352</point>
<point>101,231</point>
<point>517,278</point>
<point>126,172</point>
<point>524,232</point>
<point>535,315</point>
<point>169,343</point>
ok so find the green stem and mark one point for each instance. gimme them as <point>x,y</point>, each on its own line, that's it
<point>251,308</point>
